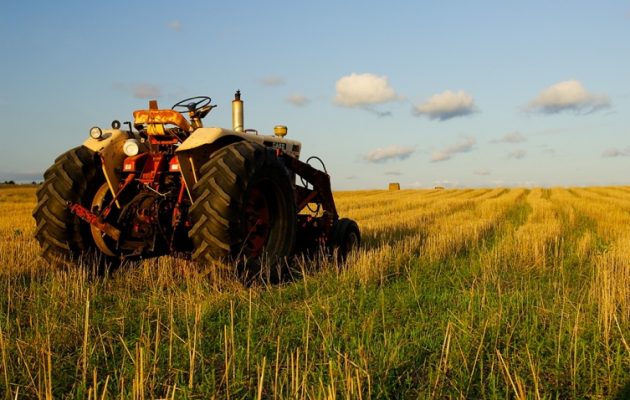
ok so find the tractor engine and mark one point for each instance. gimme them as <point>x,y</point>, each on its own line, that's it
<point>146,223</point>
<point>149,211</point>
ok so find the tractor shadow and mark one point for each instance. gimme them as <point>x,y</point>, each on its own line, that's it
<point>624,392</point>
<point>281,272</point>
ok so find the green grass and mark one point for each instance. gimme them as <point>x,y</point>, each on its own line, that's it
<point>452,328</point>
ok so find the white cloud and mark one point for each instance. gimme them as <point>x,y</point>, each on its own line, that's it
<point>447,105</point>
<point>139,90</point>
<point>389,153</point>
<point>272,80</point>
<point>567,96</point>
<point>512,137</point>
<point>464,145</point>
<point>363,89</point>
<point>393,173</point>
<point>175,25</point>
<point>518,154</point>
<point>482,172</point>
<point>612,152</point>
<point>298,100</point>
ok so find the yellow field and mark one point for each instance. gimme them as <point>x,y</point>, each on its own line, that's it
<point>436,224</point>
<point>529,291</point>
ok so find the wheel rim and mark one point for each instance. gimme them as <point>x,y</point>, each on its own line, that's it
<point>101,199</point>
<point>258,220</point>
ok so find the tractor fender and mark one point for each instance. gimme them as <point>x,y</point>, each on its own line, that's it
<point>204,136</point>
<point>110,149</point>
<point>203,142</point>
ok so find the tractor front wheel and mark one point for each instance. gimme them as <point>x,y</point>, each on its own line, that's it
<point>345,238</point>
<point>75,177</point>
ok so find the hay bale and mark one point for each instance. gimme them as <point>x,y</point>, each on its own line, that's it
<point>394,186</point>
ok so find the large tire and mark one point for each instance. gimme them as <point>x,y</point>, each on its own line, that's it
<point>241,185</point>
<point>74,177</point>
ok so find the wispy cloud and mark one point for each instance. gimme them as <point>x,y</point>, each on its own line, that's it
<point>394,152</point>
<point>545,149</point>
<point>482,172</point>
<point>518,154</point>
<point>272,80</point>
<point>393,173</point>
<point>376,112</point>
<point>139,90</point>
<point>446,105</point>
<point>445,183</point>
<point>567,96</point>
<point>614,152</point>
<point>174,25</point>
<point>464,145</point>
<point>145,91</point>
<point>511,137</point>
<point>298,100</point>
<point>358,90</point>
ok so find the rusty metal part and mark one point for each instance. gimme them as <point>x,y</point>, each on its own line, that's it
<point>321,192</point>
<point>156,119</point>
<point>126,183</point>
<point>94,220</point>
<point>320,181</point>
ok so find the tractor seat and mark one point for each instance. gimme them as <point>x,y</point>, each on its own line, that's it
<point>155,119</point>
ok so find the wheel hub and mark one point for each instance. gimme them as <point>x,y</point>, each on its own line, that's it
<point>258,221</point>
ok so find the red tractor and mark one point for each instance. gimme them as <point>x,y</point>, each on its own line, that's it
<point>168,185</point>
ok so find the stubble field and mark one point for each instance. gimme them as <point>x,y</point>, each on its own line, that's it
<point>484,293</point>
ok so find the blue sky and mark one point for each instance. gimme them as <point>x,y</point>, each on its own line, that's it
<point>460,94</point>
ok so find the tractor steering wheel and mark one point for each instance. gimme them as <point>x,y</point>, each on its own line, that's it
<point>191,104</point>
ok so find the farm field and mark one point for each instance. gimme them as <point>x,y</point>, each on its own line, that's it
<point>472,293</point>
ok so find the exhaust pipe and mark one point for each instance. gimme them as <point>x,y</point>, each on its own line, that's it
<point>237,112</point>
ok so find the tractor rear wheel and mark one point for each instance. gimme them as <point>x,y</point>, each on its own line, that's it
<point>74,177</point>
<point>345,238</point>
<point>244,207</point>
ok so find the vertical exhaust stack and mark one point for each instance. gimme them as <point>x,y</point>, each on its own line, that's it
<point>237,112</point>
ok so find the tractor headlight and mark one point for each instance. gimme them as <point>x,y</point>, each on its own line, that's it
<point>131,147</point>
<point>96,133</point>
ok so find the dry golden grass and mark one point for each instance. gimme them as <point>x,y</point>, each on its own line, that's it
<point>482,293</point>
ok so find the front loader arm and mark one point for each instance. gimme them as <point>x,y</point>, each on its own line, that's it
<point>321,186</point>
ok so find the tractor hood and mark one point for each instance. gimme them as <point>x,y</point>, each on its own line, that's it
<point>205,136</point>
<point>199,146</point>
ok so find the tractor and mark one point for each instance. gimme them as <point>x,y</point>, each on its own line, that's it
<point>165,184</point>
